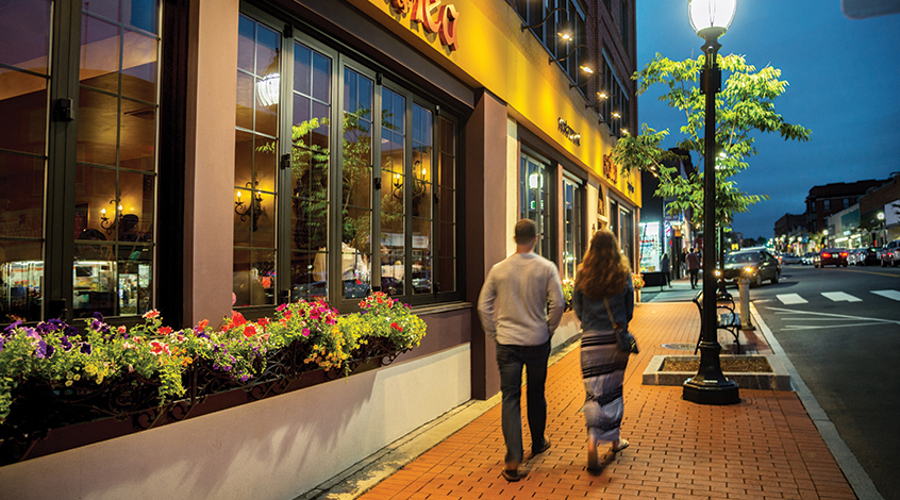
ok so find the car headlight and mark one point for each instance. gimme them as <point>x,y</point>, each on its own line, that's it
<point>749,270</point>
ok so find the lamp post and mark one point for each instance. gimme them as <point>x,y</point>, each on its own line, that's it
<point>710,19</point>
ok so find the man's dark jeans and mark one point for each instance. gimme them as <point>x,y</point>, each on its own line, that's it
<point>511,359</point>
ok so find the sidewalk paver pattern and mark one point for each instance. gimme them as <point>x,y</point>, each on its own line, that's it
<point>765,447</point>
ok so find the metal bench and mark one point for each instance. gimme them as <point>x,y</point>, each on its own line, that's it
<point>727,320</point>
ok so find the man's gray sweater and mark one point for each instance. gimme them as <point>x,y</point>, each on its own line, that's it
<point>513,301</point>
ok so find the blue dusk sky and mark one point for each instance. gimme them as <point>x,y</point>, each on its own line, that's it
<point>844,85</point>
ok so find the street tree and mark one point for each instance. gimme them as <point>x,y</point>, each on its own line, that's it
<point>744,106</point>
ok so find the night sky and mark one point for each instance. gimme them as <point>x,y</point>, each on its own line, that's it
<point>844,85</point>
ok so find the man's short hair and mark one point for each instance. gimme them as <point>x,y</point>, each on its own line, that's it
<point>525,232</point>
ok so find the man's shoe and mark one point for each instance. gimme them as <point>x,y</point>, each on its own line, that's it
<point>538,451</point>
<point>511,475</point>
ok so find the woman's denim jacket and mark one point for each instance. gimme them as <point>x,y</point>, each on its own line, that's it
<point>592,312</point>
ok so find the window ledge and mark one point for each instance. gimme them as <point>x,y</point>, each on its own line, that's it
<point>440,308</point>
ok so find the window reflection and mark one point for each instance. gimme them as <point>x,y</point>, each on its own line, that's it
<point>310,165</point>
<point>116,171</point>
<point>255,165</point>
<point>356,227</point>
<point>393,154</point>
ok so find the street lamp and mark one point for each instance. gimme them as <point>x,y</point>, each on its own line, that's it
<point>710,19</point>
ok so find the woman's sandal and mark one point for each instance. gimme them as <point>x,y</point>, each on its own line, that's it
<point>623,443</point>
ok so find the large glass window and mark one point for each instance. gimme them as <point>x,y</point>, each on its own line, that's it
<point>340,202</point>
<point>310,172</point>
<point>573,232</point>
<point>615,110</point>
<point>24,77</point>
<point>560,26</point>
<point>535,201</point>
<point>104,249</point>
<point>256,146</point>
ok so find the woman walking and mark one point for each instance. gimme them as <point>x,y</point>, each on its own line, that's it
<point>603,288</point>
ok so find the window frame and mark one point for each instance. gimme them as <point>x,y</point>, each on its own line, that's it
<point>342,59</point>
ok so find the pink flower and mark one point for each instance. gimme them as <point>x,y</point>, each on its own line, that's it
<point>281,307</point>
<point>305,332</point>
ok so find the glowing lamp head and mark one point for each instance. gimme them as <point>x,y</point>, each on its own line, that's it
<point>711,17</point>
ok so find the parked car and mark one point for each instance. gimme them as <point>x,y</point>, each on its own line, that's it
<point>790,258</point>
<point>890,255</point>
<point>757,264</point>
<point>833,257</point>
<point>866,256</point>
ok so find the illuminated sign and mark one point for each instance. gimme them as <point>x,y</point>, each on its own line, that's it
<point>570,133</point>
<point>609,169</point>
<point>423,12</point>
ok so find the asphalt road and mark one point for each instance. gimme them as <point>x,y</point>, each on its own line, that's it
<point>841,330</point>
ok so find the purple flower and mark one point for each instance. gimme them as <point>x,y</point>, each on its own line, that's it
<point>42,350</point>
<point>86,348</point>
<point>2,341</point>
<point>50,326</point>
<point>65,343</point>
<point>12,326</point>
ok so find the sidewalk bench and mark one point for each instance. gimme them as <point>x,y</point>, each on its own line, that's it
<point>726,320</point>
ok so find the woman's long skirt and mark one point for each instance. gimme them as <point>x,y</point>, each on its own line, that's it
<point>603,370</point>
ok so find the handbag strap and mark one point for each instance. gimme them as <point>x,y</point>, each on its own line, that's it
<point>610,314</point>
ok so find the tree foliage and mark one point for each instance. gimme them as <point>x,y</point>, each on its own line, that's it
<point>744,106</point>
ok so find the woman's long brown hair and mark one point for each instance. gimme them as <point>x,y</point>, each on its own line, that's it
<point>604,271</point>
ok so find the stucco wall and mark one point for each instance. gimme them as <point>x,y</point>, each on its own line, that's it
<point>277,448</point>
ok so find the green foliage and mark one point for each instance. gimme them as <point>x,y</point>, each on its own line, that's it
<point>744,107</point>
<point>60,355</point>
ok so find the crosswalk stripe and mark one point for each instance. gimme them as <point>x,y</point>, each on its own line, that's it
<point>841,297</point>
<point>891,294</point>
<point>791,298</point>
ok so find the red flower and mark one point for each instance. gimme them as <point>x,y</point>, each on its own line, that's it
<point>165,330</point>
<point>153,313</point>
<point>237,319</point>
<point>249,331</point>
<point>157,347</point>
<point>397,327</point>
<point>203,324</point>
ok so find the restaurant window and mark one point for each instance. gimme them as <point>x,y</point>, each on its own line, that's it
<point>562,32</point>
<point>534,201</point>
<point>615,110</point>
<point>573,219</point>
<point>626,235</point>
<point>360,207</point>
<point>95,253</point>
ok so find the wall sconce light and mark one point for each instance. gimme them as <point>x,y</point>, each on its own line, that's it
<point>105,223</point>
<point>601,96</point>
<point>397,186</point>
<point>253,209</point>
<point>615,115</point>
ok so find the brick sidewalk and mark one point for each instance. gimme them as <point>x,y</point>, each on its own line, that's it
<point>765,447</point>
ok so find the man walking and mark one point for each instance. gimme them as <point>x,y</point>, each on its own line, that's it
<point>513,311</point>
<point>693,265</point>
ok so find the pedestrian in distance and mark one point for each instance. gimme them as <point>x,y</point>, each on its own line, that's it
<point>603,300</point>
<point>693,264</point>
<point>665,269</point>
<point>514,311</point>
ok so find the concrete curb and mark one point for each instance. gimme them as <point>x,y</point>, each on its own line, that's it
<point>857,477</point>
